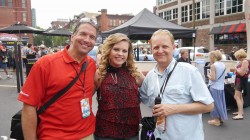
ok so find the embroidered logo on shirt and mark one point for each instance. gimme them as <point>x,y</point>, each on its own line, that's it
<point>24,94</point>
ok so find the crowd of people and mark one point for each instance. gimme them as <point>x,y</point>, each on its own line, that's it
<point>120,88</point>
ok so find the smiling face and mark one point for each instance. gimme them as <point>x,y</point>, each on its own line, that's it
<point>83,40</point>
<point>162,48</point>
<point>119,54</point>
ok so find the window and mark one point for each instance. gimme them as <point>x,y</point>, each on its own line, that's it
<point>114,22</point>
<point>234,6</point>
<point>198,10</point>
<point>235,38</point>
<point>175,13</point>
<point>120,22</point>
<point>184,13</point>
<point>190,12</point>
<point>10,3</point>
<point>169,15</point>
<point>219,7</point>
<point>161,14</point>
<point>2,2</point>
<point>110,22</point>
<point>24,17</point>
<point>205,9</point>
<point>23,3</point>
<point>160,2</point>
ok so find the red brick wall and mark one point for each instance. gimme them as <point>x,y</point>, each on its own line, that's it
<point>12,15</point>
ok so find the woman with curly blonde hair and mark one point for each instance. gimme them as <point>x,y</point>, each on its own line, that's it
<point>117,81</point>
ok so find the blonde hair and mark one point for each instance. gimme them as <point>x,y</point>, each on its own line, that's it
<point>240,54</point>
<point>106,48</point>
<point>161,32</point>
<point>217,55</point>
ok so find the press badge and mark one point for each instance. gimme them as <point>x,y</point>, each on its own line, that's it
<point>85,107</point>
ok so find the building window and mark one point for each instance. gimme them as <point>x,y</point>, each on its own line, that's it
<point>190,12</point>
<point>236,38</point>
<point>160,2</point>
<point>24,17</point>
<point>161,14</point>
<point>198,10</point>
<point>2,2</point>
<point>205,9</point>
<point>110,22</point>
<point>23,3</point>
<point>234,6</point>
<point>114,22</point>
<point>10,3</point>
<point>175,13</point>
<point>120,22</point>
<point>169,15</point>
<point>219,7</point>
<point>184,13</point>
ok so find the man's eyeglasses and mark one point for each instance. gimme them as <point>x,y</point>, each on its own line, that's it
<point>89,20</point>
<point>86,20</point>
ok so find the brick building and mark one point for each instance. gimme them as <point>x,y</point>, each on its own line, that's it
<point>13,11</point>
<point>109,21</point>
<point>220,23</point>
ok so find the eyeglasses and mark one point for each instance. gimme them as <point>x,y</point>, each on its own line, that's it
<point>89,20</point>
<point>86,20</point>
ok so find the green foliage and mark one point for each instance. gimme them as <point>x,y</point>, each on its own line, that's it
<point>50,41</point>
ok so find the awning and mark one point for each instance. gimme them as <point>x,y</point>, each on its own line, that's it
<point>234,28</point>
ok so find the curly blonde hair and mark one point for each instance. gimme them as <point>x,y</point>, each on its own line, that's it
<point>106,48</point>
<point>240,54</point>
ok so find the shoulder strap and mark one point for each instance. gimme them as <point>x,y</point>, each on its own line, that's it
<point>61,92</point>
<point>166,79</point>
<point>221,74</point>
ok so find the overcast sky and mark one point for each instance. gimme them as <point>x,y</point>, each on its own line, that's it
<point>51,10</point>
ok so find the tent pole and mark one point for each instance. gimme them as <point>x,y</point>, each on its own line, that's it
<point>20,64</point>
<point>17,67</point>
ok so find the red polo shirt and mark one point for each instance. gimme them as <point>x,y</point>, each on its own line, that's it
<point>63,119</point>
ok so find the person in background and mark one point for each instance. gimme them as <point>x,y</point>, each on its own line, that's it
<point>184,57</point>
<point>216,87</point>
<point>98,55</point>
<point>183,98</point>
<point>4,60</point>
<point>117,81</point>
<point>43,50</point>
<point>66,118</point>
<point>231,54</point>
<point>242,72</point>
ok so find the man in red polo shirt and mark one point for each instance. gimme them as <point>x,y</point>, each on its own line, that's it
<point>64,119</point>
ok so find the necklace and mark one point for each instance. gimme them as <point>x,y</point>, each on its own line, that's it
<point>114,78</point>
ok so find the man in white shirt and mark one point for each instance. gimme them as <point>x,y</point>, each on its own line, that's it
<point>184,97</point>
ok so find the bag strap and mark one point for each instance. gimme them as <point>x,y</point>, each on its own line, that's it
<point>221,74</point>
<point>61,92</point>
<point>166,80</point>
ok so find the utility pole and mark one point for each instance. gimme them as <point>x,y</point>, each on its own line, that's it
<point>193,19</point>
<point>247,16</point>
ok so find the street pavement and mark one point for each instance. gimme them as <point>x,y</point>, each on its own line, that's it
<point>230,130</point>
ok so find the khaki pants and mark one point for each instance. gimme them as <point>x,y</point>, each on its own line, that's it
<point>90,137</point>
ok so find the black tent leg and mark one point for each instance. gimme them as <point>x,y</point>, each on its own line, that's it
<point>17,68</point>
<point>20,64</point>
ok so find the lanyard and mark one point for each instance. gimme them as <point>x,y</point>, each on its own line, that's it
<point>78,74</point>
<point>165,80</point>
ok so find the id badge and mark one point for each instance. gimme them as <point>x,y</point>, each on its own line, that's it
<point>85,107</point>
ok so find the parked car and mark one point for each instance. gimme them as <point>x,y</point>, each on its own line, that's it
<point>200,53</point>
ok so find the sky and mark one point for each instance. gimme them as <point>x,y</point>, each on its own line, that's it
<point>51,10</point>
